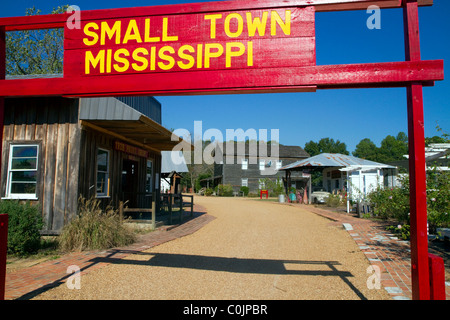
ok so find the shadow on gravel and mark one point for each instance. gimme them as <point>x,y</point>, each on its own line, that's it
<point>236,265</point>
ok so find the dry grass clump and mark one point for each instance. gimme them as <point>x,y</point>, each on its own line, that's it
<point>95,228</point>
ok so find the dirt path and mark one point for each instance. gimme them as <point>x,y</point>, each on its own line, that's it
<point>252,250</point>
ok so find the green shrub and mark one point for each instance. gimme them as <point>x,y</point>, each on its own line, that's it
<point>275,187</point>
<point>24,225</point>
<point>391,203</point>
<point>94,228</point>
<point>208,191</point>
<point>334,200</point>
<point>401,230</point>
<point>225,190</point>
<point>438,199</point>
<point>245,190</point>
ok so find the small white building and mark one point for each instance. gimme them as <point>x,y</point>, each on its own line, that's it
<point>436,154</point>
<point>358,177</point>
<point>173,165</point>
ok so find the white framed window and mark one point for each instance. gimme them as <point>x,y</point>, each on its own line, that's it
<point>149,176</point>
<point>102,182</point>
<point>279,164</point>
<point>22,171</point>
<point>244,164</point>
<point>261,164</point>
<point>244,182</point>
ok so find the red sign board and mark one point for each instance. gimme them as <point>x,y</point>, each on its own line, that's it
<point>135,151</point>
<point>205,48</point>
<point>194,42</point>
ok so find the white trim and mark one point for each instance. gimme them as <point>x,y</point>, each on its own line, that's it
<point>103,194</point>
<point>21,196</point>
<point>25,196</point>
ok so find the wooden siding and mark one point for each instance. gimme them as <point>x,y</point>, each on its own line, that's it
<point>91,140</point>
<point>53,124</point>
<point>233,174</point>
<point>67,156</point>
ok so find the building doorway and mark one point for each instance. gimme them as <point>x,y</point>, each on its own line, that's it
<point>130,182</point>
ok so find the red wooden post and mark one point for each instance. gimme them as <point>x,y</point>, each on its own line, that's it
<point>437,277</point>
<point>2,77</point>
<point>3,217</point>
<point>3,250</point>
<point>417,166</point>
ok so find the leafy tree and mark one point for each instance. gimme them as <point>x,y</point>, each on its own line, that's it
<point>325,145</point>
<point>434,139</point>
<point>393,148</point>
<point>366,149</point>
<point>35,51</point>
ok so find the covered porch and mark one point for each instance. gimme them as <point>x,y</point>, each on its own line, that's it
<point>133,146</point>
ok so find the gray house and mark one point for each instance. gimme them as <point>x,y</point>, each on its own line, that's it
<point>248,165</point>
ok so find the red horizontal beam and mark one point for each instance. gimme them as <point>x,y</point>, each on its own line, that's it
<point>58,20</point>
<point>388,74</point>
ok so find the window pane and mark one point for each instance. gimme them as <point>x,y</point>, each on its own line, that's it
<point>18,176</point>
<point>23,187</point>
<point>244,164</point>
<point>101,182</point>
<point>102,160</point>
<point>148,181</point>
<point>24,151</point>
<point>279,164</point>
<point>24,163</point>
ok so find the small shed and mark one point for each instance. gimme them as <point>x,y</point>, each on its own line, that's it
<point>173,165</point>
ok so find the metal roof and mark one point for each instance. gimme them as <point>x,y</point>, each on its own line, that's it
<point>253,148</point>
<point>334,160</point>
<point>116,116</point>
<point>173,161</point>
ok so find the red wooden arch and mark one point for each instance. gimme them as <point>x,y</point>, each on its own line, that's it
<point>274,76</point>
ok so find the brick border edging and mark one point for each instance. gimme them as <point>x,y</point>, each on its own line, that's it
<point>382,249</point>
<point>29,282</point>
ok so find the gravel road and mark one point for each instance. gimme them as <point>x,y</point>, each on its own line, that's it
<point>252,250</point>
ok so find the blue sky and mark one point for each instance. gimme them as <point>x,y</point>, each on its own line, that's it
<point>348,115</point>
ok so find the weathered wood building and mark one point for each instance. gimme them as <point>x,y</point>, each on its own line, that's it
<point>57,149</point>
<point>248,166</point>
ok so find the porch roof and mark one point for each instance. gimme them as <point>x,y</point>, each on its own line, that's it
<point>324,160</point>
<point>119,118</point>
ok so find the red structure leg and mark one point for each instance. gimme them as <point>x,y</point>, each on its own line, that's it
<point>420,271</point>
<point>437,277</point>
<point>3,250</point>
<point>3,217</point>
